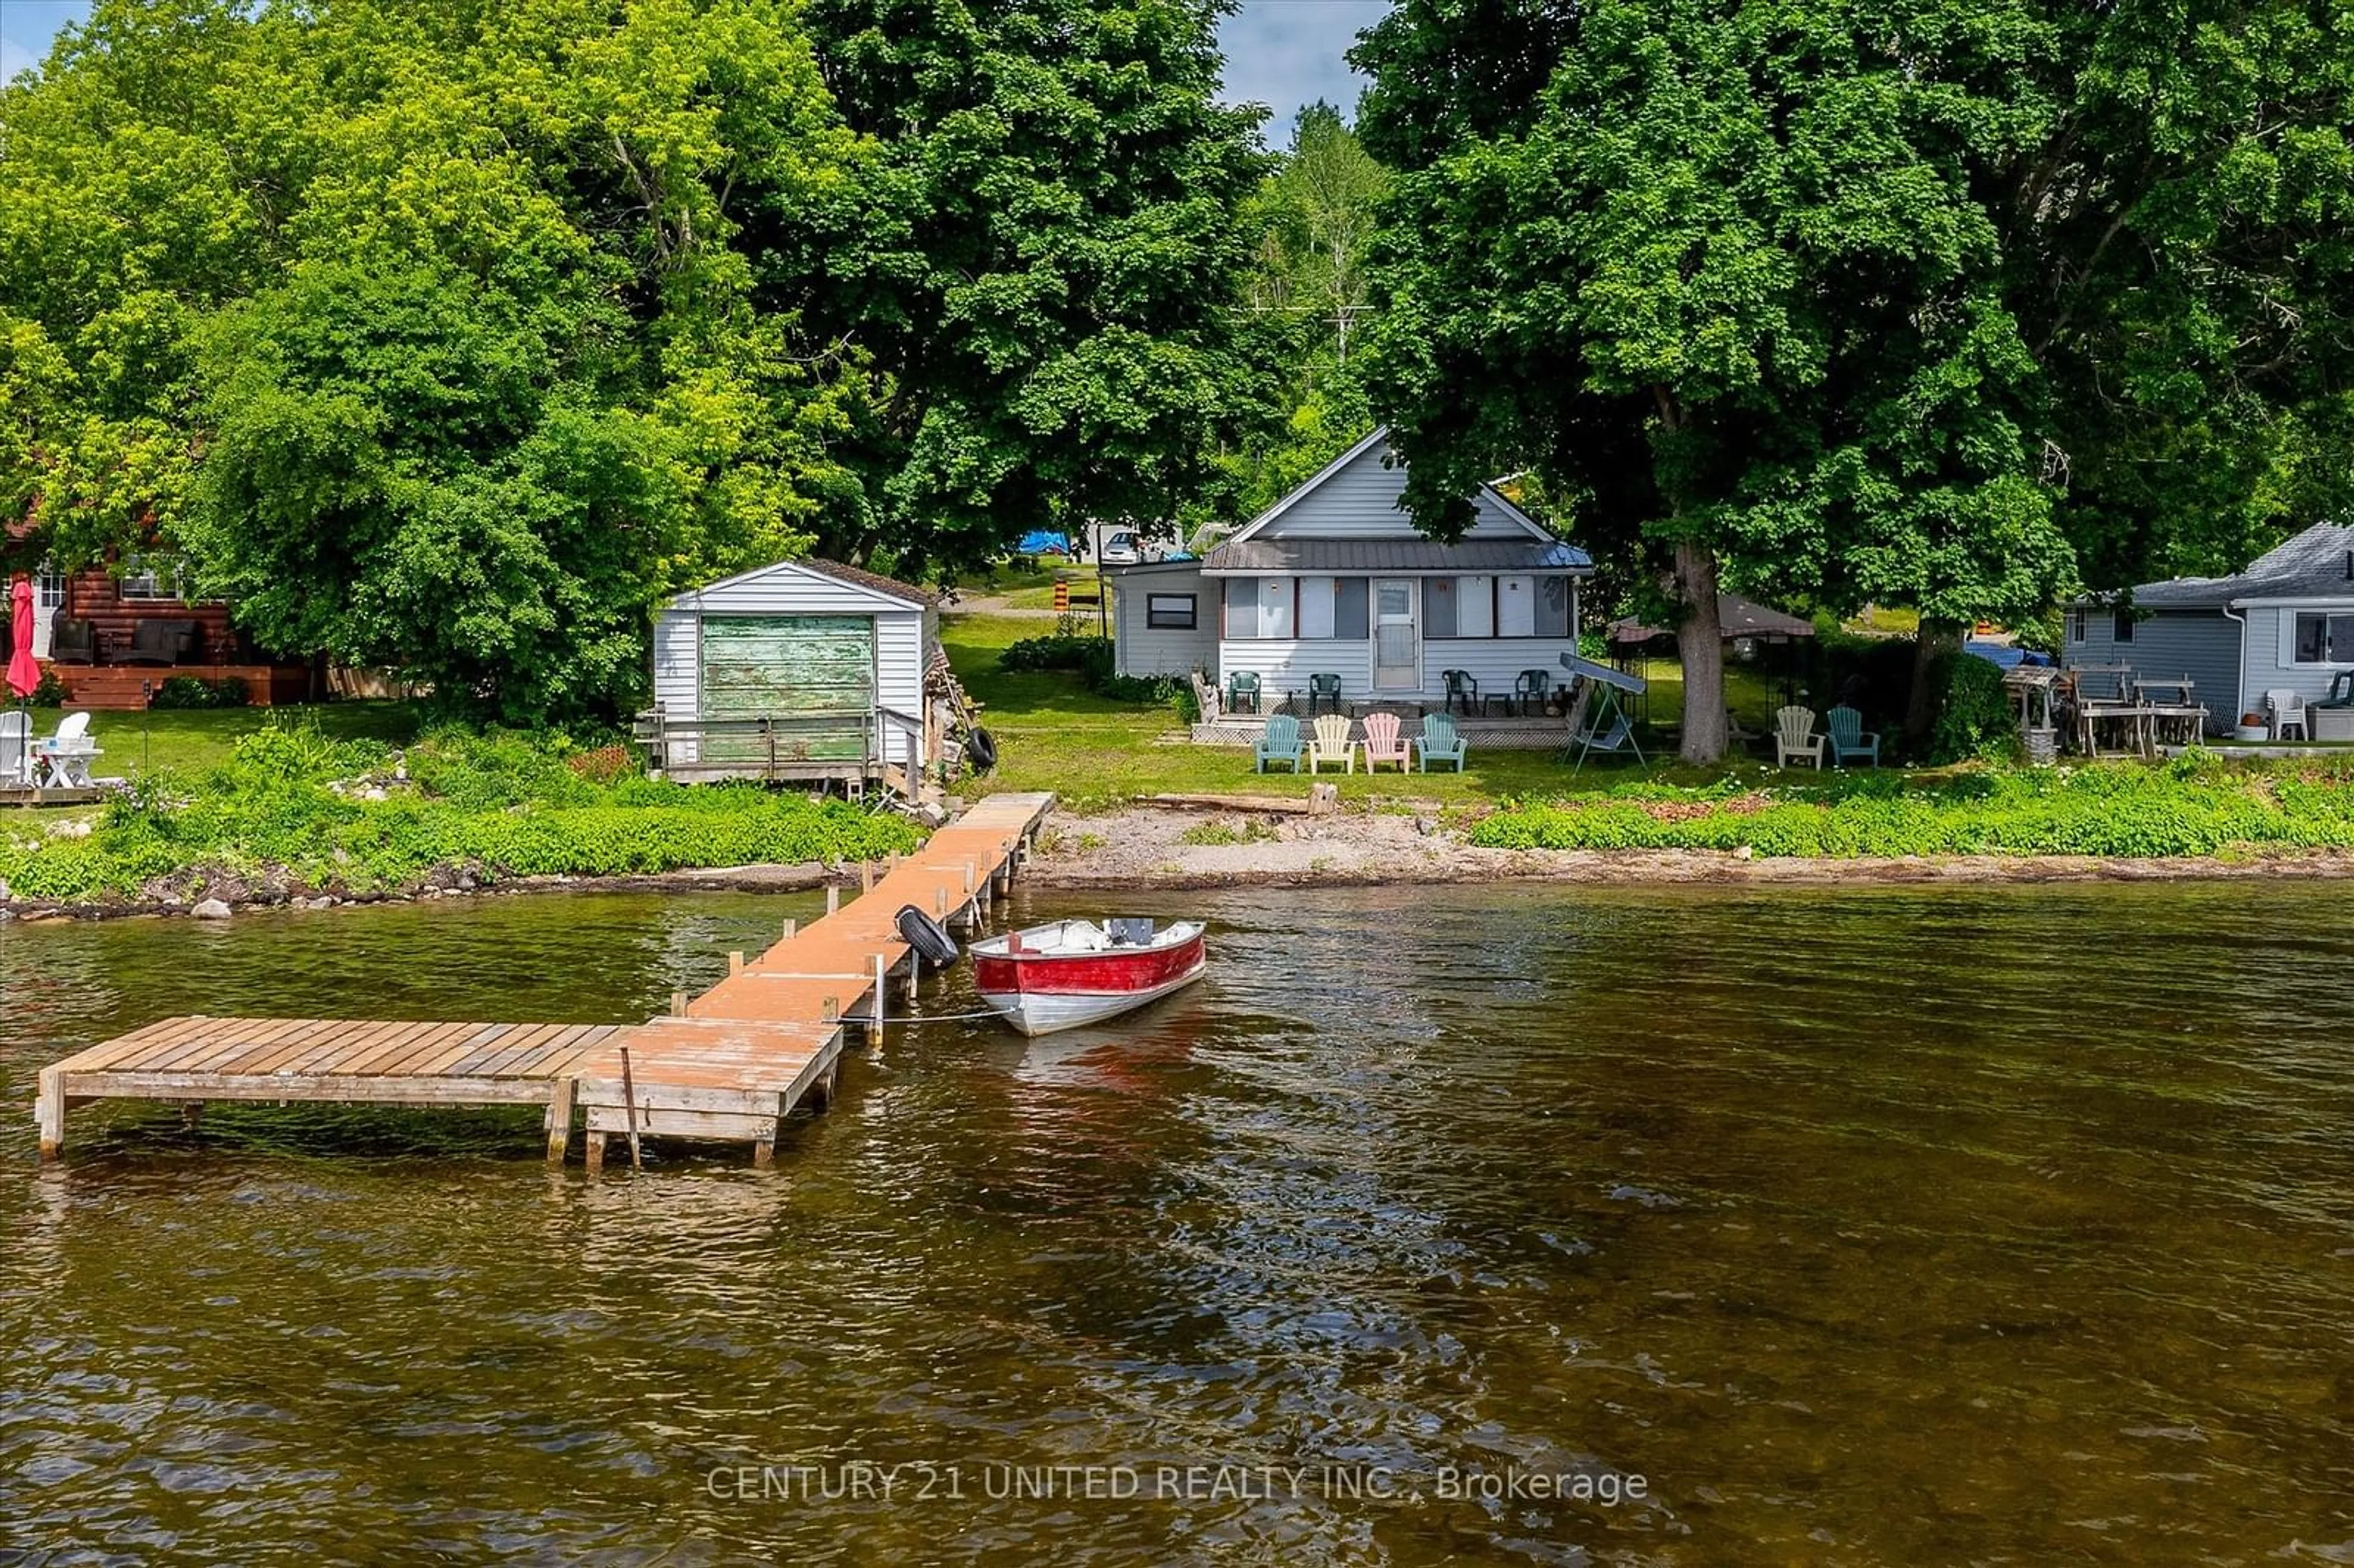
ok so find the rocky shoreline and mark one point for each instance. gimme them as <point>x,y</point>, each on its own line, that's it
<point>1208,849</point>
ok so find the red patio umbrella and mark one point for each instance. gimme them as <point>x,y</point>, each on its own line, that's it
<point>23,673</point>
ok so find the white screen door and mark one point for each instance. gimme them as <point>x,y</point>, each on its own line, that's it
<point>1398,650</point>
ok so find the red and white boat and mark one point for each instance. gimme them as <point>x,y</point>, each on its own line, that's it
<point>1045,978</point>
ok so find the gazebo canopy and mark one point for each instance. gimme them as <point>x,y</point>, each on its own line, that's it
<point>1739,616</point>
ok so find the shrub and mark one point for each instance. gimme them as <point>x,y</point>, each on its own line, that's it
<point>2195,806</point>
<point>50,692</point>
<point>500,804</point>
<point>1062,650</point>
<point>188,691</point>
<point>1974,716</point>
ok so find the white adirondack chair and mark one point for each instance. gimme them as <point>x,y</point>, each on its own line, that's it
<point>15,749</point>
<point>70,752</point>
<point>1332,743</point>
<point>1795,736</point>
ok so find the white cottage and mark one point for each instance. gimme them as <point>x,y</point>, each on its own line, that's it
<point>1333,579</point>
<point>805,669</point>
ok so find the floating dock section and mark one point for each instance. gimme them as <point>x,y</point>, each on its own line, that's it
<point>726,1066</point>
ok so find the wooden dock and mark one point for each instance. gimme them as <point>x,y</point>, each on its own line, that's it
<point>728,1066</point>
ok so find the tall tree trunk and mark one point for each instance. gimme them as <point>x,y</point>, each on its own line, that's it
<point>1700,641</point>
<point>1936,639</point>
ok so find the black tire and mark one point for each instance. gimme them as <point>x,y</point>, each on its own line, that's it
<point>980,750</point>
<point>926,936</point>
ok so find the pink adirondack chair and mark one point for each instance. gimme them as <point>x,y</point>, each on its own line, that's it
<point>1382,742</point>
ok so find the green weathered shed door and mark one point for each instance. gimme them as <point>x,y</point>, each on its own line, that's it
<point>815,674</point>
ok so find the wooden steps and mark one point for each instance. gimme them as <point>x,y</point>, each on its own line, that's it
<point>728,1066</point>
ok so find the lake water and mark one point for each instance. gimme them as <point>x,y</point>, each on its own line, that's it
<point>1989,1225</point>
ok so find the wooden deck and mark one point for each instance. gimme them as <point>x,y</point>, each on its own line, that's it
<point>728,1066</point>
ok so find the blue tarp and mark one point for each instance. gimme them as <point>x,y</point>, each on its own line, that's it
<point>1044,541</point>
<point>2003,656</point>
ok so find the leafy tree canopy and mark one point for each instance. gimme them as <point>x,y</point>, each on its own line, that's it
<point>1899,300</point>
<point>453,336</point>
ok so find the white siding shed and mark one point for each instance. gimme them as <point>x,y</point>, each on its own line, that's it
<point>805,668</point>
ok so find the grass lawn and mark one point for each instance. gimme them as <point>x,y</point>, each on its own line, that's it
<point>195,740</point>
<point>1053,734</point>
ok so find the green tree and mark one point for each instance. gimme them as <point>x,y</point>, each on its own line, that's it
<point>1726,288</point>
<point>1304,300</point>
<point>1037,260</point>
<point>1913,301</point>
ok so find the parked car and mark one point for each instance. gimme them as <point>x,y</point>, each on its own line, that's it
<point>1121,549</point>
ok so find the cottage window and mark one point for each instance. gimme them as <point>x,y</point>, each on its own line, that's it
<point>2121,628</point>
<point>149,577</point>
<point>1315,606</point>
<point>1242,608</point>
<point>1516,607</point>
<point>1277,597</point>
<point>1553,607</point>
<point>1475,612</point>
<point>1350,615</point>
<point>1170,611</point>
<point>2324,638</point>
<point>1438,617</point>
<point>2077,629</point>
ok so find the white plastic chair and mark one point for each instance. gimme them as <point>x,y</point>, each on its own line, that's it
<point>1795,736</point>
<point>16,747</point>
<point>70,753</point>
<point>2288,714</point>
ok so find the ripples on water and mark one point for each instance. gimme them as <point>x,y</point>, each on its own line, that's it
<point>1872,1227</point>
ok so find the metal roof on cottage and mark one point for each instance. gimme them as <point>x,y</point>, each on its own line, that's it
<point>2315,564</point>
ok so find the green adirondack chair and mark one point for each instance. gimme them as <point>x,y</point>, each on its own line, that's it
<point>1439,742</point>
<point>1850,739</point>
<point>1280,744</point>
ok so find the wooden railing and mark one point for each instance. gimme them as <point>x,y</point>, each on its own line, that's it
<point>817,743</point>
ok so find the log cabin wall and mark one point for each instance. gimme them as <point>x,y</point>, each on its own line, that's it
<point>93,594</point>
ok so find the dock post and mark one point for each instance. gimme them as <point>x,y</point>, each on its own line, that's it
<point>736,963</point>
<point>865,877</point>
<point>832,898</point>
<point>592,1157</point>
<point>879,991</point>
<point>559,1119</point>
<point>50,1112</point>
<point>791,927</point>
<point>678,1004</point>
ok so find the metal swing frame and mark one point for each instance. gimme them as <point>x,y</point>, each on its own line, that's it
<point>1608,727</point>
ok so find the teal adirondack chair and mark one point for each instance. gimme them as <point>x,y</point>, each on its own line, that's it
<point>1850,739</point>
<point>1280,744</point>
<point>1439,742</point>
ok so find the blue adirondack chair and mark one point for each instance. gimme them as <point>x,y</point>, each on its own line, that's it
<point>1280,744</point>
<point>1850,739</point>
<point>1440,742</point>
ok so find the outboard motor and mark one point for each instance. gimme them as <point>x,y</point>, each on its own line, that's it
<point>927,937</point>
<point>1130,930</point>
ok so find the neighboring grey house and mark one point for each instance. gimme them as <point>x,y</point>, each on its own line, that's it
<point>803,669</point>
<point>2285,623</point>
<point>1333,579</point>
